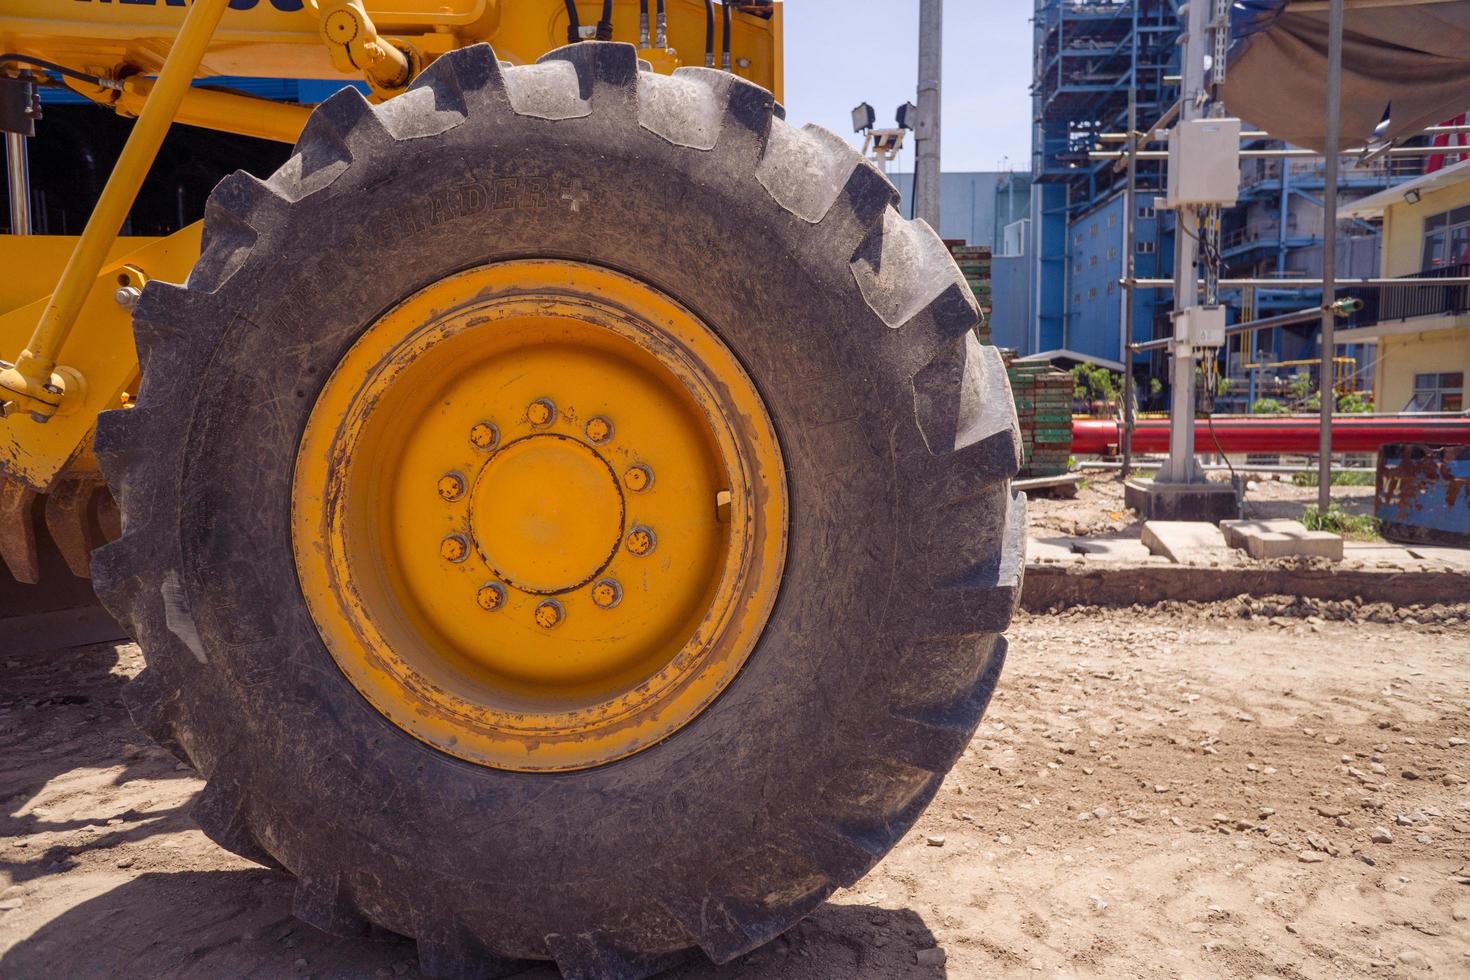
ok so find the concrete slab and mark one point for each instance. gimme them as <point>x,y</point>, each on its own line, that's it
<point>1262,545</point>
<point>1112,549</point>
<point>1234,531</point>
<point>1185,542</point>
<point>1458,558</point>
<point>1281,538</point>
<point>1377,554</point>
<point>1050,550</point>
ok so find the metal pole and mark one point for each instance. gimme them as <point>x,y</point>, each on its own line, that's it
<point>926,132</point>
<point>1129,233</point>
<point>1327,386</point>
<point>1181,466</point>
<point>18,180</point>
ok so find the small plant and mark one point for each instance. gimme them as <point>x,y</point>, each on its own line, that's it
<point>1268,406</point>
<point>1354,403</point>
<point>1359,526</point>
<point>1092,383</point>
<point>1339,479</point>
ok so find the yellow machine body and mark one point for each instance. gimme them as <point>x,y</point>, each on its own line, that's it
<point>65,336</point>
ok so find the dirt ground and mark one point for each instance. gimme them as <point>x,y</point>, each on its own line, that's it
<point>1237,790</point>
<point>1097,508</point>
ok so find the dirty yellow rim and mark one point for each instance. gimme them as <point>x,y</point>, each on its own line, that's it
<point>539,515</point>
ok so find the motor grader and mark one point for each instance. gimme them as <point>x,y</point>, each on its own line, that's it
<point>565,509</point>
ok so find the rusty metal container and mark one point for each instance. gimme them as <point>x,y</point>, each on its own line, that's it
<point>1423,493</point>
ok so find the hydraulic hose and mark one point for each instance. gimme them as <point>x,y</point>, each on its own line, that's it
<point>27,60</point>
<point>643,23</point>
<point>725,43</point>
<point>709,33</point>
<point>574,24</point>
<point>604,26</point>
<point>660,27</point>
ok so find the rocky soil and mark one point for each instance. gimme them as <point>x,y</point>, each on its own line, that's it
<point>1253,788</point>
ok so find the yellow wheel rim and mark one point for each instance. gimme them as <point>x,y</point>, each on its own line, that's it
<point>539,515</point>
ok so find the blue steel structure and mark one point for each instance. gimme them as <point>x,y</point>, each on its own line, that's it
<point>1088,54</point>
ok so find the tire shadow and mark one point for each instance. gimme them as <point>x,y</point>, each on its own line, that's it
<point>201,925</point>
<point>64,733</point>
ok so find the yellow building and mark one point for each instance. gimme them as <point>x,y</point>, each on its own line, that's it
<point>1422,332</point>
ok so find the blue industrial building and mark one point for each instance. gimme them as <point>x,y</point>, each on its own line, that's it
<point>975,206</point>
<point>1088,55</point>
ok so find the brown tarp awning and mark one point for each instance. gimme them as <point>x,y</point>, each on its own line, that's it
<point>1409,62</point>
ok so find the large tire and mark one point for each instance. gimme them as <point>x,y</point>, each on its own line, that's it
<point>905,540</point>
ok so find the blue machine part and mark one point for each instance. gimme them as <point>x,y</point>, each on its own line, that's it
<point>1423,493</point>
<point>305,91</point>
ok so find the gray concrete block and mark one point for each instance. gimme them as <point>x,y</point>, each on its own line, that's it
<point>1281,538</point>
<point>1185,542</point>
<point>1263,545</point>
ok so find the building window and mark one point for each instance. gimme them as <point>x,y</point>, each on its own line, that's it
<point>1447,238</point>
<point>1077,238</point>
<point>1111,287</point>
<point>1145,248</point>
<point>1145,212</point>
<point>1077,266</point>
<point>1092,293</point>
<point>1092,261</point>
<point>1438,393</point>
<point>1092,230</point>
<point>1113,220</point>
<point>1113,252</point>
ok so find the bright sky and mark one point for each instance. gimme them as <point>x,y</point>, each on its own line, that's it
<point>843,52</point>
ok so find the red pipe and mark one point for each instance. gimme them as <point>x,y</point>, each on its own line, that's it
<point>1272,434</point>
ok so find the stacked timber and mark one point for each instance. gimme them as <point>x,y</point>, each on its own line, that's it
<point>974,262</point>
<point>1043,397</point>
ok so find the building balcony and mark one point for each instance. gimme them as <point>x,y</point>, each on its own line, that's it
<point>1391,304</point>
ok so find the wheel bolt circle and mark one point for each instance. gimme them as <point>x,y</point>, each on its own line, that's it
<point>491,596</point>
<point>541,412</point>
<point>549,613</point>
<point>606,593</point>
<point>451,487</point>
<point>638,478</point>
<point>454,548</point>
<point>599,429</point>
<point>484,435</point>
<point>641,541</point>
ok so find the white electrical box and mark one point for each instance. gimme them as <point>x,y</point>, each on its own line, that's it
<point>1204,163</point>
<point>1200,326</point>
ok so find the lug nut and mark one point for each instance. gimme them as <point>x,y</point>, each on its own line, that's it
<point>607,593</point>
<point>541,412</point>
<point>491,596</point>
<point>451,487</point>
<point>599,429</point>
<point>549,613</point>
<point>638,478</point>
<point>454,548</point>
<point>484,435</point>
<point>641,541</point>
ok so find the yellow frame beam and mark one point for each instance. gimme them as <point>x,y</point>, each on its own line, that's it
<point>34,383</point>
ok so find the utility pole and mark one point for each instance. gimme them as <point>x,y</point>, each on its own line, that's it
<point>1327,376</point>
<point>926,133</point>
<point>1181,466</point>
<point>1203,175</point>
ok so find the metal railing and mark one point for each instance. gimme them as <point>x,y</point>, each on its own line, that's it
<point>1406,302</point>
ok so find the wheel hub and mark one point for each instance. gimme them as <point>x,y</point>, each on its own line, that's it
<point>540,515</point>
<point>546,513</point>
